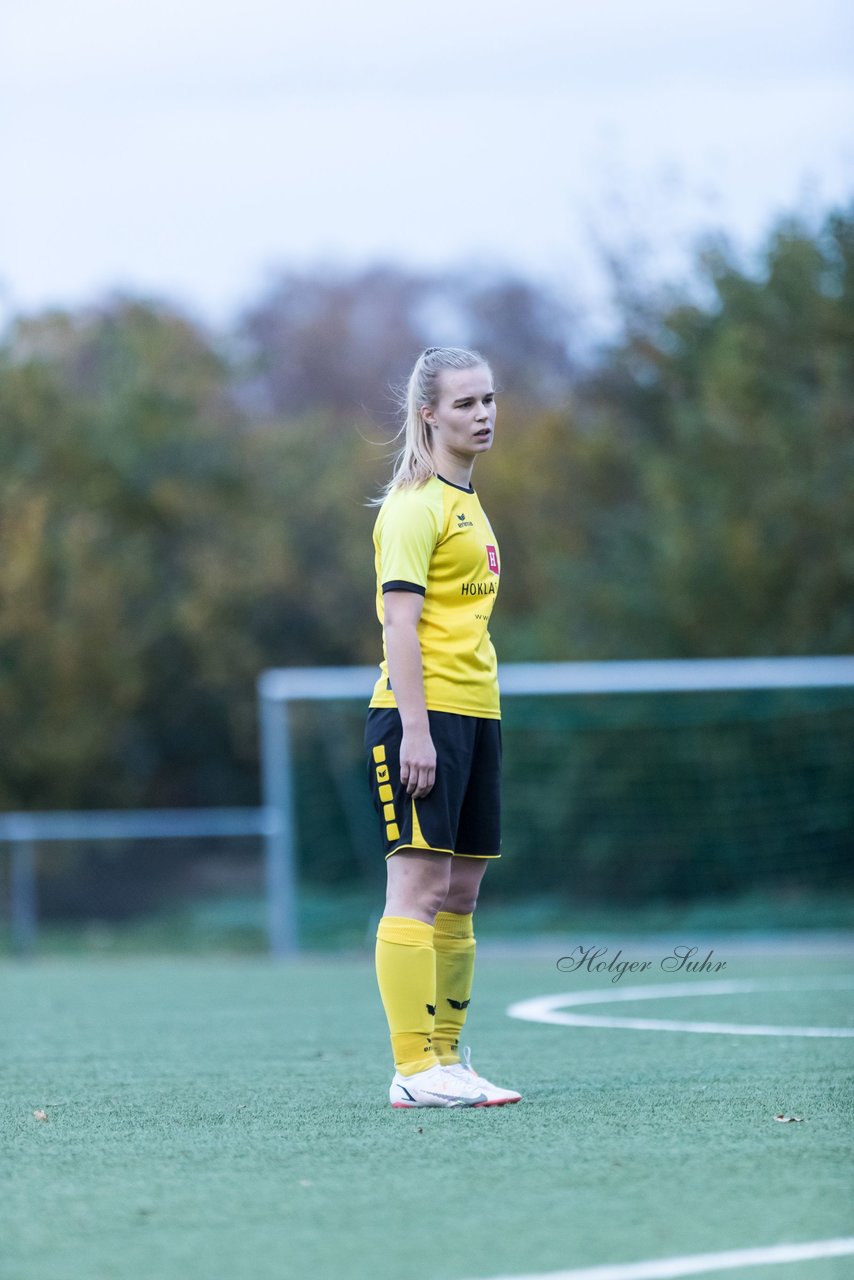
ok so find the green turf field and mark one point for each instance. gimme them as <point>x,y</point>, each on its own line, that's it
<point>228,1118</point>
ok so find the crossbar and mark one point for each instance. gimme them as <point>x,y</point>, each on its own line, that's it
<point>665,675</point>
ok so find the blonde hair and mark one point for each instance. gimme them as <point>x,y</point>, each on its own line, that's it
<point>414,464</point>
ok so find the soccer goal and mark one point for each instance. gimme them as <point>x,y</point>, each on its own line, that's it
<point>623,781</point>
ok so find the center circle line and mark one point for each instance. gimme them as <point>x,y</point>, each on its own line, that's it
<point>552,1008</point>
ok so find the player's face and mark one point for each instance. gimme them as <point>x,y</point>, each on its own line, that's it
<point>463,419</point>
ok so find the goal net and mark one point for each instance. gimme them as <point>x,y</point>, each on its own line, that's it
<point>624,782</point>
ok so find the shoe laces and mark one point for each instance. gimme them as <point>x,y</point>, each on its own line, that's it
<point>464,1068</point>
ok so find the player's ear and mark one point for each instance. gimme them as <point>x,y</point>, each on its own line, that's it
<point>428,415</point>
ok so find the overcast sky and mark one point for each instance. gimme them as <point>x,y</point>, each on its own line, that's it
<point>188,147</point>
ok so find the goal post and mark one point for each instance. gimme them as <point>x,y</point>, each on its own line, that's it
<point>280,689</point>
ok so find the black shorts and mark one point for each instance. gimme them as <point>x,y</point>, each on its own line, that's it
<point>462,812</point>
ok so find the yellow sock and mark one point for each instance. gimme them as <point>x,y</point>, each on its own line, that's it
<point>453,939</point>
<point>406,975</point>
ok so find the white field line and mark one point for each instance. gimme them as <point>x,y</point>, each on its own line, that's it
<point>551,1009</point>
<point>699,1263</point>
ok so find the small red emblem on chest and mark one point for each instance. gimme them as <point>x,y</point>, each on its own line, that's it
<point>492,559</point>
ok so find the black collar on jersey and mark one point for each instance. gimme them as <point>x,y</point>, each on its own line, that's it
<point>470,489</point>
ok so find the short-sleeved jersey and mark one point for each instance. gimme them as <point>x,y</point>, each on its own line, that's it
<point>437,541</point>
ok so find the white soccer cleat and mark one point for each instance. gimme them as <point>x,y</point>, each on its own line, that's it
<point>436,1087</point>
<point>495,1096</point>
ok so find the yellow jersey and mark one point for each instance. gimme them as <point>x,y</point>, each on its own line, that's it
<point>436,540</point>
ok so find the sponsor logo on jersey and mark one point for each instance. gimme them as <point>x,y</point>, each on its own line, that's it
<point>477,589</point>
<point>492,558</point>
<point>462,523</point>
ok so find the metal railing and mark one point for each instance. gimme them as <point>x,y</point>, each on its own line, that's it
<point>24,832</point>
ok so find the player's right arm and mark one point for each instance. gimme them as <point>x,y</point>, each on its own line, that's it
<point>402,609</point>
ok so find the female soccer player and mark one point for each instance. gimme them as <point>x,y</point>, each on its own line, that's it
<point>433,735</point>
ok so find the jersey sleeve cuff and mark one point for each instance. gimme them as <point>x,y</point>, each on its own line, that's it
<point>399,585</point>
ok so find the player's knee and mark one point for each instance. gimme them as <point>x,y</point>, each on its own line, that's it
<point>422,904</point>
<point>461,902</point>
<point>417,884</point>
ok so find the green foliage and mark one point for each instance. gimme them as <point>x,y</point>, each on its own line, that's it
<point>117,475</point>
<point>695,497</point>
<point>161,550</point>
